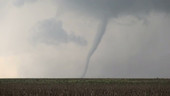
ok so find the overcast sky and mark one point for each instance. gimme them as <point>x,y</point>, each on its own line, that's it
<point>56,38</point>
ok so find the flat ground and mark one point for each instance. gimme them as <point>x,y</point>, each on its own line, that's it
<point>85,87</point>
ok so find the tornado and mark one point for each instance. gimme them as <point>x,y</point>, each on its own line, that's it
<point>99,35</point>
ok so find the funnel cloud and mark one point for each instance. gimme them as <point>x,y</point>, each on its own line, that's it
<point>113,9</point>
<point>97,40</point>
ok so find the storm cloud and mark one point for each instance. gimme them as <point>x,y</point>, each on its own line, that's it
<point>85,38</point>
<point>51,31</point>
<point>115,8</point>
<point>118,8</point>
<point>22,2</point>
<point>104,10</point>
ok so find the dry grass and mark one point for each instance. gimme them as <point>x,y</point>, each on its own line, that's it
<point>85,88</point>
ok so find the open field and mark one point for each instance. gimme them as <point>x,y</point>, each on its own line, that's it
<point>84,87</point>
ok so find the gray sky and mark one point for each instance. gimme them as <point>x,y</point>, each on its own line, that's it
<point>52,38</point>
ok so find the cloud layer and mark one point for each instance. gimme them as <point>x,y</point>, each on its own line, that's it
<point>115,8</point>
<point>51,31</point>
<point>52,38</point>
<point>22,2</point>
